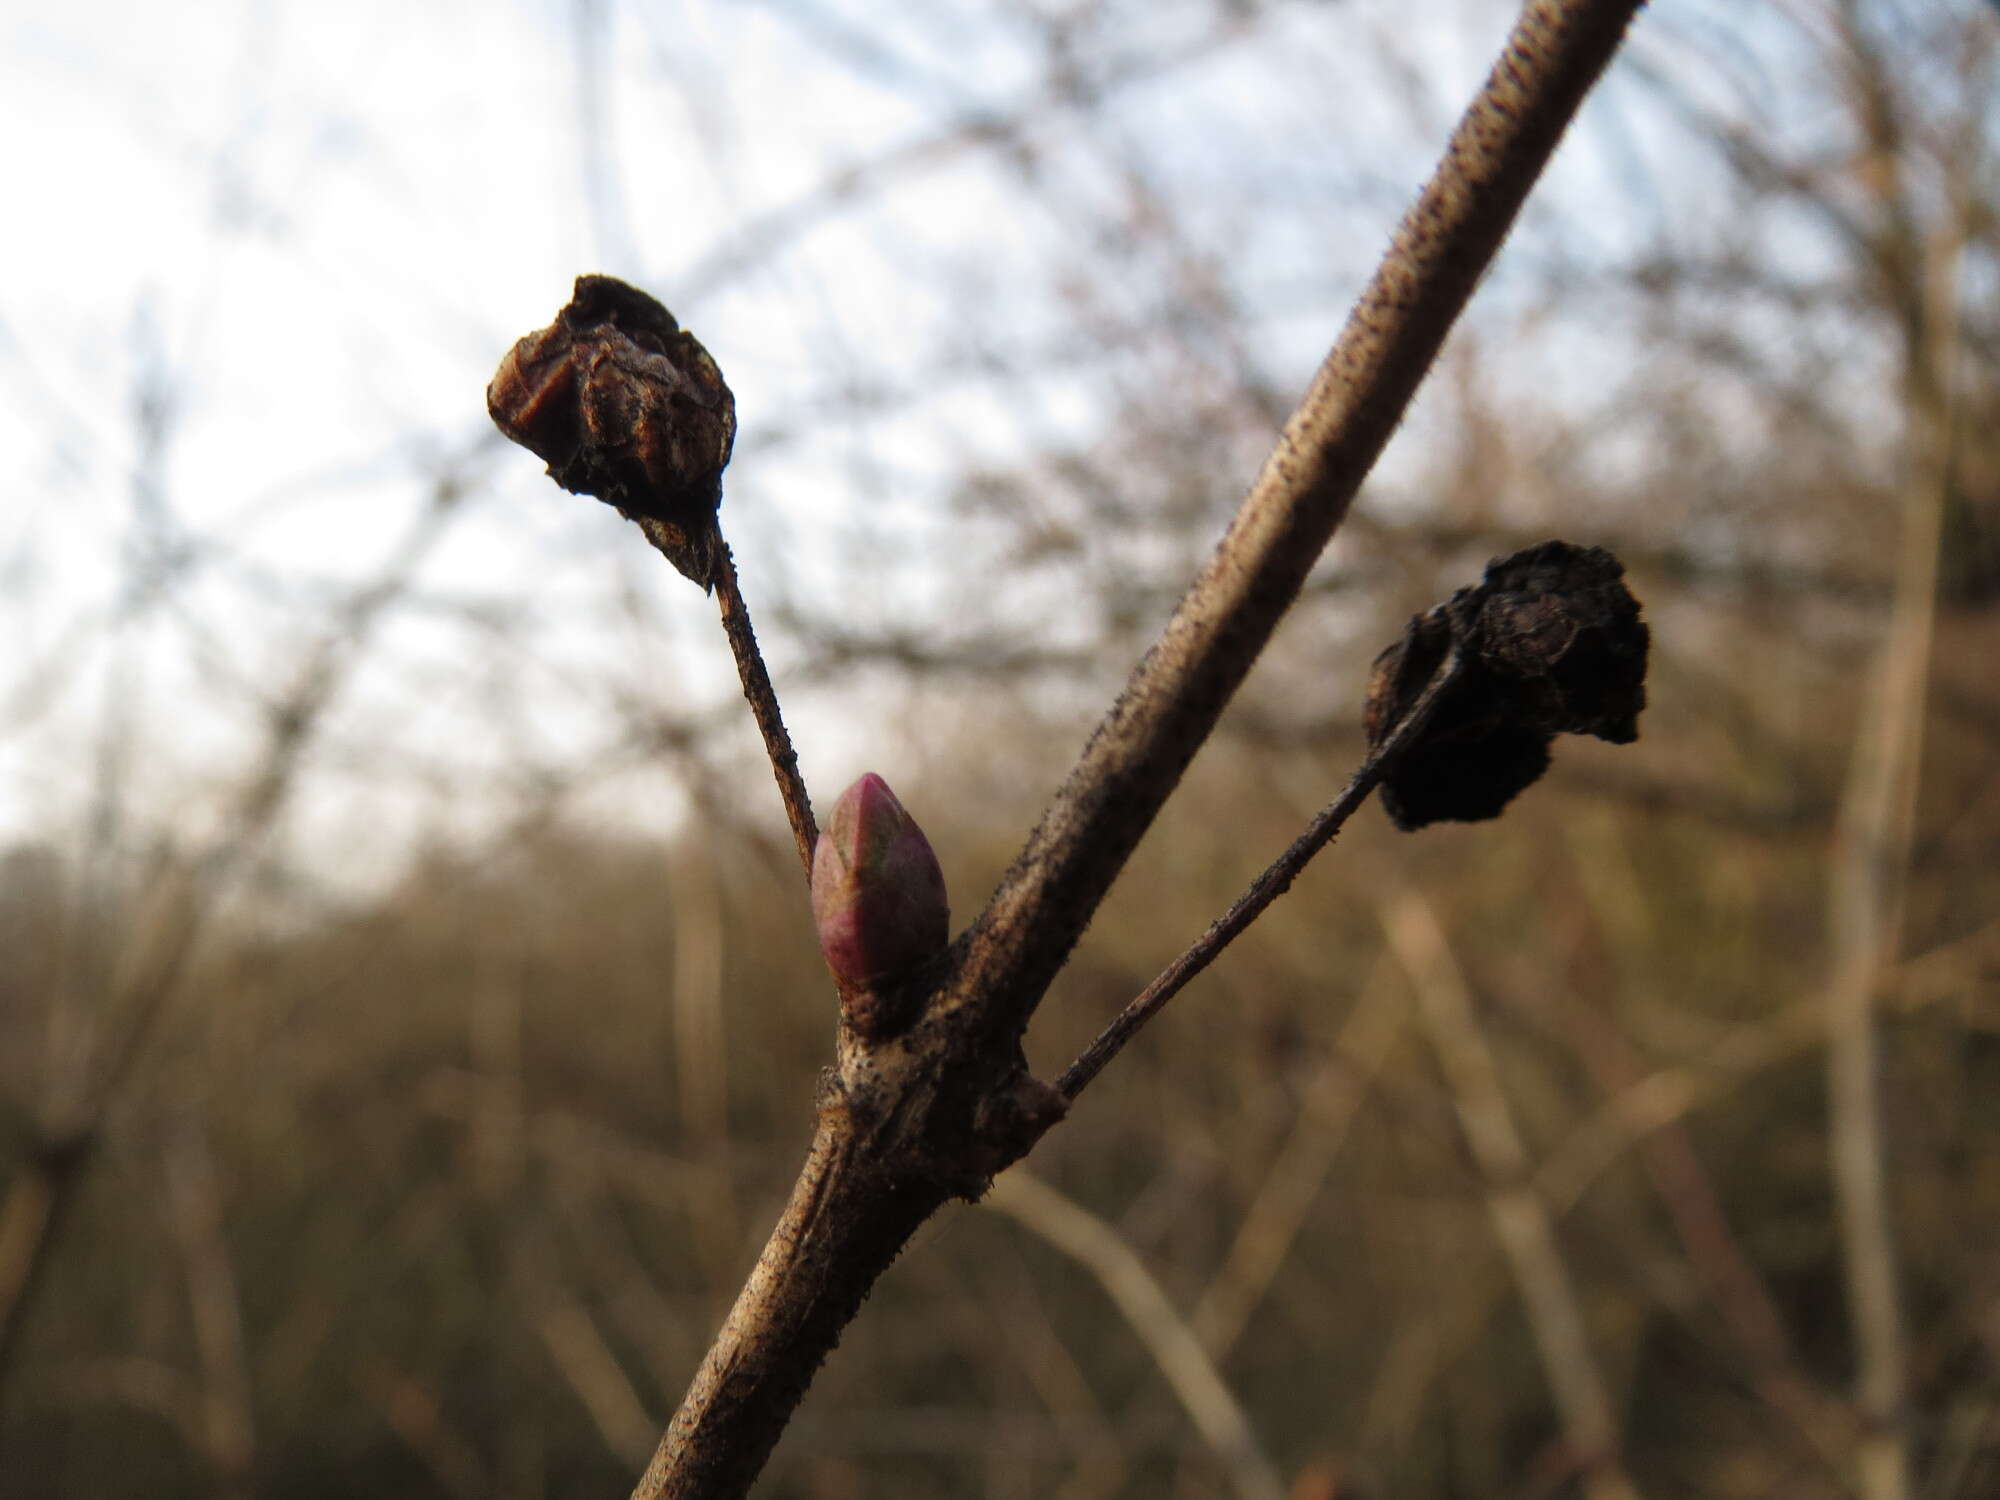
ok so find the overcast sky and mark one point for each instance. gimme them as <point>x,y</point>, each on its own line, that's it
<point>263,257</point>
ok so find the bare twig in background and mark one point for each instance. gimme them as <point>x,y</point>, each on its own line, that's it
<point>1865,892</point>
<point>1038,1347</point>
<point>1423,1349</point>
<point>414,1413</point>
<point>593,1372</point>
<point>1968,1429</point>
<point>1272,1222</point>
<point>90,1077</point>
<point>230,1435</point>
<point>1742,1299</point>
<point>160,1390</point>
<point>1520,1218</point>
<point>754,244</point>
<point>1097,1247</point>
<point>701,1053</point>
<point>1671,1093</point>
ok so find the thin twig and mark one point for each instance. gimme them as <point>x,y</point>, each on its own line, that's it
<point>1266,888</point>
<point>764,705</point>
<point>1685,1188</point>
<point>413,1411</point>
<point>578,1350</point>
<point>1736,1058</point>
<point>1171,703</point>
<point>1878,814</point>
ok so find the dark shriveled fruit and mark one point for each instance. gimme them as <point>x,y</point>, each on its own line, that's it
<point>1550,642</point>
<point>623,403</point>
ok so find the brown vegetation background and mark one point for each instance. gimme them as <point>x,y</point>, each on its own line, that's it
<point>440,1189</point>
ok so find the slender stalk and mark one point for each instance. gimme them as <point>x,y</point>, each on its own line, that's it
<point>1266,888</point>
<point>764,705</point>
<point>762,696</point>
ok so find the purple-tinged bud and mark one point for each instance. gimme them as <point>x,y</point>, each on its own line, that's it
<point>877,891</point>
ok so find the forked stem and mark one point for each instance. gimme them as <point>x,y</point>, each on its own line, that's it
<point>1266,888</point>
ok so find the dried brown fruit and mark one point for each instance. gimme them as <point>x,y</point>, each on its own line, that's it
<point>623,403</point>
<point>1550,642</point>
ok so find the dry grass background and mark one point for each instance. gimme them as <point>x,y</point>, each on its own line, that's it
<point>475,1169</point>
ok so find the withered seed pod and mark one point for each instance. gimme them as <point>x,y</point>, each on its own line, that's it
<point>1550,642</point>
<point>623,403</point>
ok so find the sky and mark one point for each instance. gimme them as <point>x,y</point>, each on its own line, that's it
<point>266,255</point>
<point>308,233</point>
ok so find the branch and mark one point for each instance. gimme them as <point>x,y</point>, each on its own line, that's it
<point>215,1306</point>
<point>959,1082</point>
<point>1176,694</point>
<point>845,1222</point>
<point>1266,888</point>
<point>910,1118</point>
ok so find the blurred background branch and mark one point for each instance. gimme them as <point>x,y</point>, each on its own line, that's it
<point>1521,1221</point>
<point>95,1038</point>
<point>1878,808</point>
<point>1167,1337</point>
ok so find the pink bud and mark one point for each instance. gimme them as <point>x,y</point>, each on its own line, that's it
<point>877,892</point>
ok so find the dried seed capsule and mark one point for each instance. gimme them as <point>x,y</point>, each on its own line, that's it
<point>1557,623</point>
<point>623,403</point>
<point>1550,642</point>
